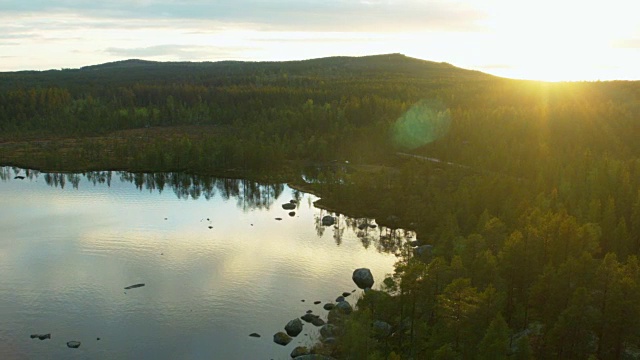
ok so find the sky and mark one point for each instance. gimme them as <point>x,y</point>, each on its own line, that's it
<point>553,40</point>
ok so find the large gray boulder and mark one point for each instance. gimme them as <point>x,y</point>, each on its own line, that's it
<point>328,220</point>
<point>363,278</point>
<point>293,327</point>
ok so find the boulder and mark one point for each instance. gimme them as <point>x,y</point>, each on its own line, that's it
<point>308,317</point>
<point>73,344</point>
<point>328,306</point>
<point>381,328</point>
<point>317,322</point>
<point>293,327</point>
<point>299,351</point>
<point>328,220</point>
<point>41,336</point>
<point>344,307</point>
<point>281,338</point>
<point>289,206</point>
<point>337,314</point>
<point>328,330</point>
<point>363,278</point>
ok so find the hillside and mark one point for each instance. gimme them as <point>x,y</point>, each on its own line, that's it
<point>526,192</point>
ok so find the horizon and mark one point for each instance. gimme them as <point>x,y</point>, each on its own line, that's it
<point>541,40</point>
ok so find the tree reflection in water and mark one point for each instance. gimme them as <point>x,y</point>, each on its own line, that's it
<point>248,195</point>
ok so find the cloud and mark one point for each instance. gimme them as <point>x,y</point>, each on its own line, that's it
<point>310,15</point>
<point>174,51</point>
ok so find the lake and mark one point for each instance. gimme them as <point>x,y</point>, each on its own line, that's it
<point>215,262</point>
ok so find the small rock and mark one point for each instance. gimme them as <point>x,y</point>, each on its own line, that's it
<point>328,220</point>
<point>41,336</point>
<point>328,306</point>
<point>299,351</point>
<point>292,213</point>
<point>363,226</point>
<point>308,317</point>
<point>317,302</point>
<point>73,344</point>
<point>317,322</point>
<point>289,206</point>
<point>346,293</point>
<point>281,338</point>
<point>20,177</point>
<point>293,201</point>
<point>309,311</point>
<point>302,300</point>
<point>134,286</point>
<point>373,226</point>
<point>278,219</point>
<point>210,227</point>
<point>256,335</point>
<point>97,339</point>
<point>339,298</point>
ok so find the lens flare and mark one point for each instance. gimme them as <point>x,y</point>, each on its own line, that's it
<point>423,123</point>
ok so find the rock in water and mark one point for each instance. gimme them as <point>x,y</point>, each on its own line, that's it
<point>363,278</point>
<point>339,298</point>
<point>344,307</point>
<point>346,293</point>
<point>289,206</point>
<point>328,306</point>
<point>254,335</point>
<point>328,220</point>
<point>293,327</point>
<point>292,213</point>
<point>317,321</point>
<point>281,338</point>
<point>299,351</point>
<point>308,317</point>
<point>134,286</point>
<point>73,344</point>
<point>41,336</point>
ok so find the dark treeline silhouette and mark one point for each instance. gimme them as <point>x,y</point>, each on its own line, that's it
<point>530,196</point>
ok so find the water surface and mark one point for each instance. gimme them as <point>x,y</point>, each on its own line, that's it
<point>215,262</point>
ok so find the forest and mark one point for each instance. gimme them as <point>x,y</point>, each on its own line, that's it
<point>528,192</point>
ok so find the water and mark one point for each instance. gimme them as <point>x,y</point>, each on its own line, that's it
<point>216,265</point>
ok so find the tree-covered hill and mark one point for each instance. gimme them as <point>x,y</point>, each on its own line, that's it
<point>527,191</point>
